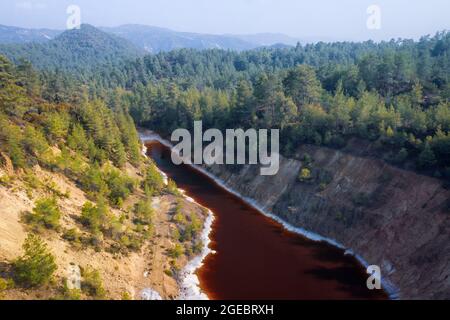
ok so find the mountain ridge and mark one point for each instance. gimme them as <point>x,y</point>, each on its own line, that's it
<point>11,34</point>
<point>87,47</point>
<point>155,39</point>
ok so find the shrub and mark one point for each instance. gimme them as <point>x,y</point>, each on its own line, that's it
<point>143,212</point>
<point>92,180</point>
<point>92,283</point>
<point>179,218</point>
<point>325,177</point>
<point>305,175</point>
<point>131,241</point>
<point>172,188</point>
<point>126,296</point>
<point>153,179</point>
<point>72,235</point>
<point>34,141</point>
<point>10,138</point>
<point>69,294</point>
<point>52,187</point>
<point>36,266</point>
<point>401,156</point>
<point>5,180</point>
<point>46,213</point>
<point>176,251</point>
<point>31,180</point>
<point>191,230</point>
<point>77,139</point>
<point>176,235</point>
<point>196,224</point>
<point>120,186</point>
<point>94,217</point>
<point>197,247</point>
<point>57,125</point>
<point>71,163</point>
<point>5,284</point>
<point>306,159</point>
<point>427,158</point>
<point>168,273</point>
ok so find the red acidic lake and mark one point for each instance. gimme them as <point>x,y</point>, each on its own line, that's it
<point>256,258</point>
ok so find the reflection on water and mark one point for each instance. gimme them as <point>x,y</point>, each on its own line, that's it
<point>256,258</point>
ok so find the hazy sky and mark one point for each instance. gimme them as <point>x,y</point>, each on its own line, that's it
<point>328,19</point>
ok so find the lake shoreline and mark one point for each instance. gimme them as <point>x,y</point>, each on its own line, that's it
<point>391,290</point>
<point>188,280</point>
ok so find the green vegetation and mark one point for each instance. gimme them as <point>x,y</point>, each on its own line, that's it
<point>186,233</point>
<point>126,233</point>
<point>176,251</point>
<point>5,180</point>
<point>32,122</point>
<point>45,214</point>
<point>153,181</point>
<point>120,186</point>
<point>393,94</point>
<point>305,175</point>
<point>126,296</point>
<point>172,188</point>
<point>63,53</point>
<point>5,284</point>
<point>92,284</point>
<point>36,266</point>
<point>73,236</point>
<point>76,117</point>
<point>143,213</point>
<point>68,294</point>
<point>95,218</point>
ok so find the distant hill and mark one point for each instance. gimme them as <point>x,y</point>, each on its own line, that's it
<point>268,39</point>
<point>73,49</point>
<point>154,39</point>
<point>10,35</point>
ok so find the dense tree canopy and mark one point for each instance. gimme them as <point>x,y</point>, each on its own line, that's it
<point>394,94</point>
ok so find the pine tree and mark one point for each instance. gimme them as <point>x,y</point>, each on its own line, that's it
<point>37,265</point>
<point>302,85</point>
<point>427,159</point>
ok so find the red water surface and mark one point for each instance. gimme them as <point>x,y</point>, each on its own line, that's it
<point>256,258</point>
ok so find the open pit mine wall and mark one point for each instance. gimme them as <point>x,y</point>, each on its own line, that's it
<point>386,216</point>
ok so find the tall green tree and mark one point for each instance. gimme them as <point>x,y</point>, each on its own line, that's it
<point>37,265</point>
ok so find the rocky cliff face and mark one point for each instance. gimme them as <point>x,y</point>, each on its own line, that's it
<point>392,218</point>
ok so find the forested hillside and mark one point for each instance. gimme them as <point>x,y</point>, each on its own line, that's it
<point>74,50</point>
<point>76,191</point>
<point>68,109</point>
<point>155,40</point>
<point>21,35</point>
<point>393,94</point>
<point>30,123</point>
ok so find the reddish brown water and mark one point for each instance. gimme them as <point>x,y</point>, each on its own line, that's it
<point>256,257</point>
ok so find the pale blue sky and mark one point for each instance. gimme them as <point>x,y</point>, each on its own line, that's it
<point>327,19</point>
